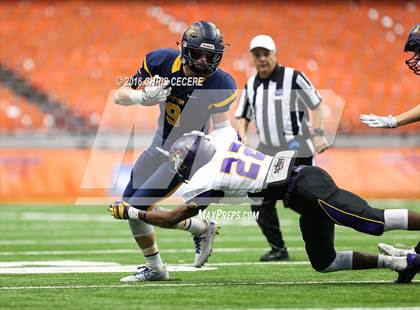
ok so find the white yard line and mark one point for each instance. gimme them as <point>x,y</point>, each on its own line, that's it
<point>213,284</point>
<point>221,239</point>
<point>122,251</point>
<point>82,267</point>
<point>77,266</point>
<point>258,263</point>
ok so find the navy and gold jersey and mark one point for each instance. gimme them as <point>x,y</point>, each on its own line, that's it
<point>188,107</point>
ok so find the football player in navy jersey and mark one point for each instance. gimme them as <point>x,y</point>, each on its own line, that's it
<point>219,165</point>
<point>191,92</point>
<point>412,115</point>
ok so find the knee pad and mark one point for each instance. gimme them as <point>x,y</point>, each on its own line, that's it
<point>140,229</point>
<point>343,261</point>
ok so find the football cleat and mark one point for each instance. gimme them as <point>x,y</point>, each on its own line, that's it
<point>396,250</point>
<point>275,255</point>
<point>204,243</point>
<point>146,273</point>
<point>413,266</point>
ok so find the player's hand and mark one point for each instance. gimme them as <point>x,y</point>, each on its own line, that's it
<point>375,121</point>
<point>156,90</point>
<point>320,144</point>
<point>119,210</point>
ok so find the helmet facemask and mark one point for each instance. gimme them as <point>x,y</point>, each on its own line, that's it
<point>191,56</point>
<point>413,45</point>
<point>413,62</point>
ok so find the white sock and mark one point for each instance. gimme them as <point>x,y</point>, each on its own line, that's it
<point>396,263</point>
<point>193,225</point>
<point>154,261</point>
<point>152,256</point>
<point>197,226</point>
<point>396,219</point>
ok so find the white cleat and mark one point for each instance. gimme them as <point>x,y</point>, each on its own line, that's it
<point>146,273</point>
<point>398,263</point>
<point>204,243</point>
<point>398,250</point>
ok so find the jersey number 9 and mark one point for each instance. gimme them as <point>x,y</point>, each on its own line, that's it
<point>172,114</point>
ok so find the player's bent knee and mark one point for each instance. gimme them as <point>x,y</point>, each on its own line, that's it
<point>320,260</point>
<point>140,229</point>
<point>319,267</point>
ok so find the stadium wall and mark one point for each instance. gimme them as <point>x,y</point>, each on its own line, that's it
<point>54,175</point>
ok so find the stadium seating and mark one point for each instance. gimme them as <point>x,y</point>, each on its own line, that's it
<point>16,115</point>
<point>76,51</point>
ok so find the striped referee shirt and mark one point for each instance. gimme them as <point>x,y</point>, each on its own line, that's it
<point>279,106</point>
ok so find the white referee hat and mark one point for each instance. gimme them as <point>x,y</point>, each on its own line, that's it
<point>263,41</point>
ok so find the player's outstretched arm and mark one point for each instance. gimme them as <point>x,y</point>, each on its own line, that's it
<point>155,91</point>
<point>411,116</point>
<point>162,218</point>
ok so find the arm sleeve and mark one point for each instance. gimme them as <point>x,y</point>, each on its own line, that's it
<point>244,110</point>
<point>306,91</point>
<point>224,95</point>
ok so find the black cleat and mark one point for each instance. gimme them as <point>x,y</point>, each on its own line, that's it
<point>413,266</point>
<point>275,255</point>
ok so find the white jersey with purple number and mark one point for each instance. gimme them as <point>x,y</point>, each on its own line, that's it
<point>234,169</point>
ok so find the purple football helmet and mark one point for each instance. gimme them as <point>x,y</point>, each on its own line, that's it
<point>413,45</point>
<point>189,153</point>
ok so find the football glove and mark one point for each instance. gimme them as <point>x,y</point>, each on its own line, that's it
<point>119,210</point>
<point>373,120</point>
<point>155,91</point>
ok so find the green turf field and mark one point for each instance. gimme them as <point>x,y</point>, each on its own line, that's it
<point>72,239</point>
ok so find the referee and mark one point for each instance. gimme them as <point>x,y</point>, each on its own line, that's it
<point>277,98</point>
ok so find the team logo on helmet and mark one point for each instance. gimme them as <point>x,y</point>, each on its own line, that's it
<point>192,31</point>
<point>176,158</point>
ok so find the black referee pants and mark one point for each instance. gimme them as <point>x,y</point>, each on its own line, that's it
<point>268,219</point>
